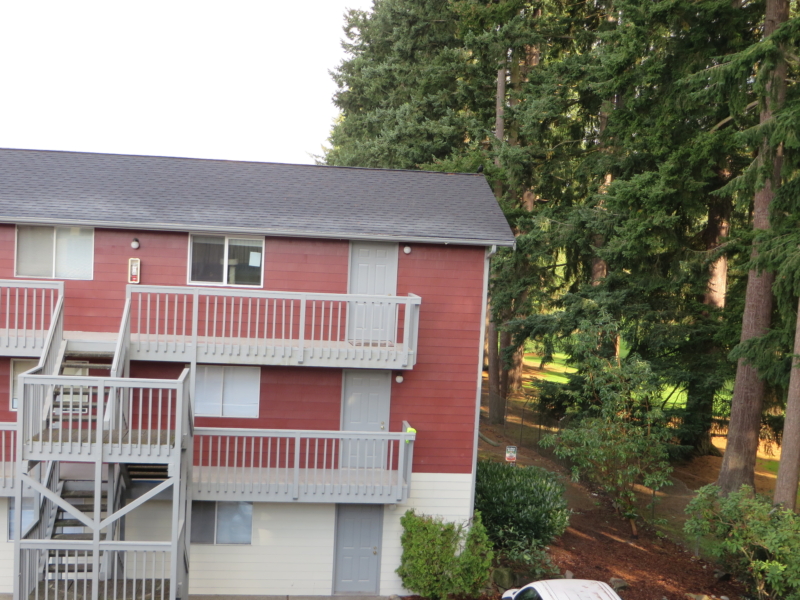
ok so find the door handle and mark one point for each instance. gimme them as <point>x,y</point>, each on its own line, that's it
<point>382,425</point>
<point>375,550</point>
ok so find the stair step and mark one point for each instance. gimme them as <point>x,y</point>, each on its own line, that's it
<point>70,568</point>
<point>84,365</point>
<point>69,523</point>
<point>82,493</point>
<point>75,537</point>
<point>77,403</point>
<point>72,354</point>
<point>85,508</point>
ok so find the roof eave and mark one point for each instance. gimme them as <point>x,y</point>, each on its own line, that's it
<point>275,232</point>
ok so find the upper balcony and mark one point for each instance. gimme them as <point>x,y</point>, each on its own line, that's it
<point>271,328</point>
<point>26,314</point>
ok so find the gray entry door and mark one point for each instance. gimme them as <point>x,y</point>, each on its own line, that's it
<point>357,558</point>
<point>373,271</point>
<point>366,398</point>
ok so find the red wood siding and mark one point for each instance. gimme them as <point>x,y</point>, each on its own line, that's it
<point>290,397</point>
<point>289,265</point>
<point>6,414</point>
<point>437,397</point>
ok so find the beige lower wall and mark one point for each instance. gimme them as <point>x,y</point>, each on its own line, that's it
<point>6,551</point>
<point>291,553</point>
<point>292,550</point>
<point>439,494</point>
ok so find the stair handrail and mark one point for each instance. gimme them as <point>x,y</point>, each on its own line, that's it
<point>119,364</point>
<point>49,363</point>
<point>123,341</point>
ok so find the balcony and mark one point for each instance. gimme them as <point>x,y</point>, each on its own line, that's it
<point>271,328</point>
<point>269,465</point>
<point>112,418</point>
<point>26,314</point>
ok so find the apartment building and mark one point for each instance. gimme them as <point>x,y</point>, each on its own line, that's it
<point>232,378</point>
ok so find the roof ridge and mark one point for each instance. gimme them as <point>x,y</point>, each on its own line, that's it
<point>229,160</point>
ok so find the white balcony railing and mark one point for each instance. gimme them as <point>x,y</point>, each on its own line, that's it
<point>273,328</point>
<point>26,313</point>
<point>307,466</point>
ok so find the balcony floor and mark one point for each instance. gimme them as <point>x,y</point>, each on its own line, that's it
<point>354,353</point>
<point>363,485</point>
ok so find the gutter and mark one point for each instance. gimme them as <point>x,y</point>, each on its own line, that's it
<point>490,252</point>
<point>182,227</point>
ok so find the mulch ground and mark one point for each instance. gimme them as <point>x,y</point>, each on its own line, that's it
<point>599,544</point>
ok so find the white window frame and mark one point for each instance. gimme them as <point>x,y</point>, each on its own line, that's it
<point>225,262</point>
<point>222,414</point>
<point>216,523</point>
<point>11,382</point>
<point>53,264</point>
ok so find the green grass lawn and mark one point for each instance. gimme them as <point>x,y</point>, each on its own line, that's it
<point>554,371</point>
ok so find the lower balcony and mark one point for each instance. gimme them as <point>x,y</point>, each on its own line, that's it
<point>276,465</point>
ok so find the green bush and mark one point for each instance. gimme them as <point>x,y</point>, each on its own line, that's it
<point>440,559</point>
<point>520,504</point>
<point>755,540</point>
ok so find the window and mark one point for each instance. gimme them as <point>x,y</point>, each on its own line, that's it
<point>222,522</point>
<point>226,260</point>
<point>227,391</point>
<point>27,515</point>
<point>527,593</point>
<point>19,366</point>
<point>61,252</point>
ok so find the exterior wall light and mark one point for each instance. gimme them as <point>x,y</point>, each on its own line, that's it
<point>135,243</point>
<point>399,379</point>
<point>407,250</point>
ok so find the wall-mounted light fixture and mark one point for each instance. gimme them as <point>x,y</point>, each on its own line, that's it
<point>135,243</point>
<point>399,379</point>
<point>407,250</point>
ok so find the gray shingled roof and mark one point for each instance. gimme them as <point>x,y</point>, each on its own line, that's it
<point>150,192</point>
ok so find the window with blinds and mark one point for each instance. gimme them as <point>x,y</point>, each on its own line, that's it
<point>227,391</point>
<point>55,252</point>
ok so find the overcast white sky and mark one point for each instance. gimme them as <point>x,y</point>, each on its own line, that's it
<point>233,79</point>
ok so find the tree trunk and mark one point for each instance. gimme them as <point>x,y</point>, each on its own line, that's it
<point>738,464</point>
<point>496,400</point>
<point>505,342</point>
<point>515,372</point>
<point>789,467</point>
<point>719,214</point>
<point>700,398</point>
<point>496,404</point>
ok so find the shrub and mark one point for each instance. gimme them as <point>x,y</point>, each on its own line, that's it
<point>520,504</point>
<point>756,541</point>
<point>442,558</point>
<point>620,434</point>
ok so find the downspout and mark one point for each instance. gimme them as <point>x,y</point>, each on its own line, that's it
<point>490,252</point>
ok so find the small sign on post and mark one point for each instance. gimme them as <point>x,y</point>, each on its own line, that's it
<point>511,455</point>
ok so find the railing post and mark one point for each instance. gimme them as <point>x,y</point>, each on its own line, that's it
<point>296,485</point>
<point>407,333</point>
<point>401,465</point>
<point>301,333</point>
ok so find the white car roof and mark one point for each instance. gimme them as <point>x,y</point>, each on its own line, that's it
<point>574,589</point>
